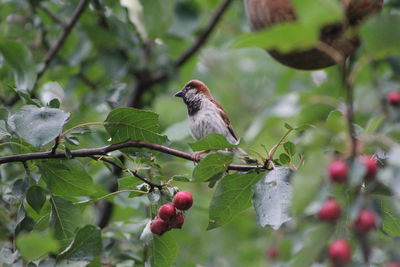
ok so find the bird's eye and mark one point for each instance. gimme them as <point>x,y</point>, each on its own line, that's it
<point>187,88</point>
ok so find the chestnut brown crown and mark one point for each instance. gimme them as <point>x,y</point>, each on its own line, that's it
<point>199,86</point>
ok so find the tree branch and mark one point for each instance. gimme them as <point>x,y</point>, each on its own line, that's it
<point>88,152</point>
<point>203,37</point>
<point>145,80</point>
<point>52,53</point>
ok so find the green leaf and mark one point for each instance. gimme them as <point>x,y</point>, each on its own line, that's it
<point>20,59</point>
<point>290,148</point>
<point>312,245</point>
<point>336,122</point>
<point>165,250</point>
<point>299,35</point>
<point>211,165</point>
<point>390,220</point>
<point>317,13</point>
<point>232,195</point>
<point>284,37</point>
<point>272,196</point>
<point>284,159</point>
<point>67,178</point>
<point>288,126</point>
<point>38,126</point>
<point>36,197</point>
<point>129,183</point>
<point>54,103</point>
<point>3,130</point>
<point>306,182</point>
<point>379,36</point>
<point>64,219</point>
<point>133,124</point>
<point>211,141</point>
<point>374,123</point>
<point>35,245</point>
<point>86,245</point>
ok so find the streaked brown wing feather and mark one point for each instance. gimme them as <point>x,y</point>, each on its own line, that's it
<point>225,118</point>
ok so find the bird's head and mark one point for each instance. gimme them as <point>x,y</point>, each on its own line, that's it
<point>192,90</point>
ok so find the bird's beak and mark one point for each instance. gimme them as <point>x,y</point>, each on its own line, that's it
<point>179,94</point>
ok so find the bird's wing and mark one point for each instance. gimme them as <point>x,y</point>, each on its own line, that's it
<point>225,118</point>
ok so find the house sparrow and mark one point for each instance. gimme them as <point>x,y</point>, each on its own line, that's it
<point>206,116</point>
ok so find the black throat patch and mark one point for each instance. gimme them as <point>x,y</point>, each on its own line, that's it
<point>193,106</point>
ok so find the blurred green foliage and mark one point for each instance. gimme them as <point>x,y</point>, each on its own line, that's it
<point>49,209</point>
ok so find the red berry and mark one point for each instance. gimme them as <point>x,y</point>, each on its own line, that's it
<point>392,264</point>
<point>159,226</point>
<point>272,253</point>
<point>365,222</point>
<point>330,211</point>
<point>183,200</point>
<point>394,98</point>
<point>166,212</point>
<point>339,252</point>
<point>177,221</point>
<point>337,170</point>
<point>371,165</point>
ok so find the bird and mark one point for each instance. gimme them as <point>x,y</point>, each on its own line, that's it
<point>207,116</point>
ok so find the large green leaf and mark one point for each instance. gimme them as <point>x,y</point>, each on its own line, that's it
<point>86,245</point>
<point>133,124</point>
<point>283,37</point>
<point>64,219</point>
<point>165,250</point>
<point>20,59</point>
<point>213,164</point>
<point>381,39</point>
<point>306,182</point>
<point>272,195</point>
<point>35,245</point>
<point>211,141</point>
<point>232,195</point>
<point>38,126</point>
<point>313,245</point>
<point>67,178</point>
<point>302,34</point>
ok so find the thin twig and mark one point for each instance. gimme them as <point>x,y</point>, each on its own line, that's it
<point>56,143</point>
<point>350,108</point>
<point>134,173</point>
<point>48,13</point>
<point>348,85</point>
<point>87,152</point>
<point>152,185</point>
<point>203,37</point>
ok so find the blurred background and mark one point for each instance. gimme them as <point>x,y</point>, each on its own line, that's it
<point>113,57</point>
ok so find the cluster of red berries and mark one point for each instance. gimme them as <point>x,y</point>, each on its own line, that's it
<point>168,217</point>
<point>339,251</point>
<point>338,169</point>
<point>394,98</point>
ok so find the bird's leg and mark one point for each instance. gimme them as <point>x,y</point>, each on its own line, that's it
<point>196,156</point>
